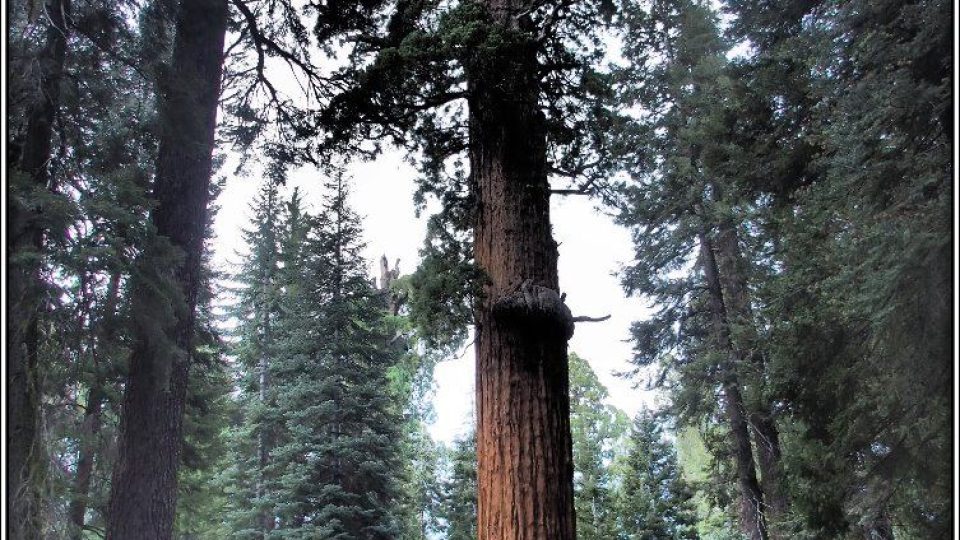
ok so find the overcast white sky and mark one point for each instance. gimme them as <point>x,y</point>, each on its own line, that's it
<point>592,248</point>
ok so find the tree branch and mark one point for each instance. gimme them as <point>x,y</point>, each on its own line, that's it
<point>584,318</point>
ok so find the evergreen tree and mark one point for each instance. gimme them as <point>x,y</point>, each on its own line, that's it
<point>595,428</point>
<point>145,476</point>
<point>25,245</point>
<point>685,204</point>
<point>459,507</point>
<point>335,467</point>
<point>654,502</point>
<point>862,87</point>
<point>257,310</point>
<point>422,494</point>
<point>433,78</point>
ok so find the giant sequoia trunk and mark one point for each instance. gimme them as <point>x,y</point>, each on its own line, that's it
<point>525,468</point>
<point>732,272</point>
<point>164,291</point>
<point>25,462</point>
<point>752,518</point>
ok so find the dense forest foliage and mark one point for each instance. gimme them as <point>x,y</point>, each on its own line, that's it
<point>784,169</point>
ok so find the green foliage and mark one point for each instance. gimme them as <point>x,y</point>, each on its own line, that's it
<point>595,428</point>
<point>422,500</point>
<point>860,327</point>
<point>201,499</point>
<point>334,468</point>
<point>697,467</point>
<point>825,146</point>
<point>459,507</point>
<point>654,500</point>
<point>443,291</point>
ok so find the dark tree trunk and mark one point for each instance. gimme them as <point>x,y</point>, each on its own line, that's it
<point>85,460</point>
<point>525,468</point>
<point>144,489</point>
<point>752,519</point>
<point>766,437</point>
<point>92,419</point>
<point>733,277</point>
<point>25,462</point>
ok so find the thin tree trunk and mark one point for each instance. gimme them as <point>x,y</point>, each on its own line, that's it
<point>752,519</point>
<point>144,489</point>
<point>733,278</point>
<point>264,436</point>
<point>766,437</point>
<point>524,450</point>
<point>25,461</point>
<point>92,421</point>
<point>81,481</point>
<point>264,440</point>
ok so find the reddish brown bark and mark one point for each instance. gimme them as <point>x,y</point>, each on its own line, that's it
<point>144,488</point>
<point>525,468</point>
<point>752,518</point>
<point>25,232</point>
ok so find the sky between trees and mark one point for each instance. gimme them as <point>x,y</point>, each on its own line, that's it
<point>592,250</point>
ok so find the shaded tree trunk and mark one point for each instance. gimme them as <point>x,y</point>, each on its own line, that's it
<point>25,462</point>
<point>732,271</point>
<point>105,332</point>
<point>766,438</point>
<point>164,291</point>
<point>525,466</point>
<point>81,482</point>
<point>752,518</point>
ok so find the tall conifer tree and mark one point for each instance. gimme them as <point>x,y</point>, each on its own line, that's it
<point>337,464</point>
<point>459,508</point>
<point>596,429</point>
<point>165,292</point>
<point>654,500</point>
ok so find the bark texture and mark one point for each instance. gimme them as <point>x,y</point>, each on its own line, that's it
<point>164,295</point>
<point>395,299</point>
<point>524,451</point>
<point>752,518</point>
<point>732,269</point>
<point>25,232</point>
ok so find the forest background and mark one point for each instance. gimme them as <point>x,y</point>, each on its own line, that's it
<point>780,177</point>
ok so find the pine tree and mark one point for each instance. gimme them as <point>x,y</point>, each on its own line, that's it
<point>595,428</point>
<point>145,476</point>
<point>335,466</point>
<point>862,87</point>
<point>259,296</point>
<point>654,501</point>
<point>686,203</point>
<point>459,507</point>
<point>31,181</point>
